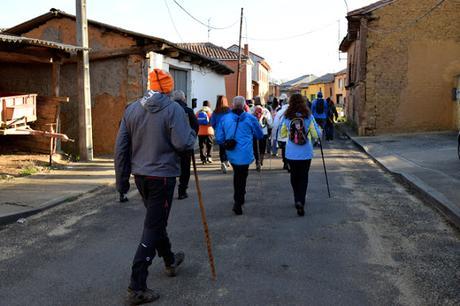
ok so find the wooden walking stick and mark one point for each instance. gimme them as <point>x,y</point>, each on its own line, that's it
<point>203,219</point>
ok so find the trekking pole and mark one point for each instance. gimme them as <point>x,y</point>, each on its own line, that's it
<point>324,166</point>
<point>203,219</point>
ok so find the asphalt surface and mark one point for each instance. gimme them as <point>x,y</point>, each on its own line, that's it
<point>372,243</point>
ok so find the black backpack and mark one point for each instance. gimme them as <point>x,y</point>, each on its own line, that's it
<point>319,106</point>
<point>297,132</point>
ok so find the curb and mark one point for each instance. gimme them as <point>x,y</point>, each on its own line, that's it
<point>13,217</point>
<point>428,195</point>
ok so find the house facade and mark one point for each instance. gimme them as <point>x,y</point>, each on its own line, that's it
<point>260,73</point>
<point>324,84</point>
<point>119,64</point>
<point>230,59</point>
<point>403,62</point>
<point>340,92</point>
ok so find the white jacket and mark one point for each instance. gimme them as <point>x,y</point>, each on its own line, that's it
<point>279,119</point>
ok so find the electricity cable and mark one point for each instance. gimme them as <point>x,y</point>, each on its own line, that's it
<point>293,36</point>
<point>201,22</point>
<point>172,21</point>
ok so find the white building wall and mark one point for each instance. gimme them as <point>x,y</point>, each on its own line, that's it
<point>249,66</point>
<point>202,83</point>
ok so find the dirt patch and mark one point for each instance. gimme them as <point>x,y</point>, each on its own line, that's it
<point>23,164</point>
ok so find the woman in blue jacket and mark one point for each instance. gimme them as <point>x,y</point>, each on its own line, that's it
<point>220,111</point>
<point>242,127</point>
<point>299,128</point>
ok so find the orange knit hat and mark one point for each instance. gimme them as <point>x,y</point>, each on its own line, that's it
<point>161,81</point>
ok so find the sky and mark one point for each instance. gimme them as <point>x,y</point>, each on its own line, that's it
<point>295,37</point>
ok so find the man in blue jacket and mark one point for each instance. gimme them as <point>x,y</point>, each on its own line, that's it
<point>320,110</point>
<point>242,127</point>
<point>154,129</point>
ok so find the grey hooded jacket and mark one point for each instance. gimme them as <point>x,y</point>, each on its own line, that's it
<point>153,130</point>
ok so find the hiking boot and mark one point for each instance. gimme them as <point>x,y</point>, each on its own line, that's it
<point>138,297</point>
<point>182,195</point>
<point>171,270</point>
<point>223,167</point>
<point>237,209</point>
<point>300,209</point>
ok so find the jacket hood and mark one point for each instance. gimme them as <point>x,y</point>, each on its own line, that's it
<point>206,109</point>
<point>154,101</point>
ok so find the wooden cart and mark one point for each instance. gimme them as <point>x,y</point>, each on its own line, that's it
<point>17,110</point>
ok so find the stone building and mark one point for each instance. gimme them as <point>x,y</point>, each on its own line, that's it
<point>119,63</point>
<point>403,62</point>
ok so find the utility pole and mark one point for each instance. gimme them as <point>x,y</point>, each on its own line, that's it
<point>85,133</point>
<point>239,57</point>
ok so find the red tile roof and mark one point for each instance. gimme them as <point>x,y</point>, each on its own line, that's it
<point>212,51</point>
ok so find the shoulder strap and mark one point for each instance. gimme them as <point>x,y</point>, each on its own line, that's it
<point>237,122</point>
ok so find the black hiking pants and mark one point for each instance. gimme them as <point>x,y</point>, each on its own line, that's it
<point>157,194</point>
<point>185,161</point>
<point>261,151</point>
<point>240,176</point>
<point>205,142</point>
<point>222,154</point>
<point>299,178</point>
<point>282,146</point>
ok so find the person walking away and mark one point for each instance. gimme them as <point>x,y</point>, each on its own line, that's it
<point>236,131</point>
<point>331,116</point>
<point>272,143</point>
<point>276,132</point>
<point>221,110</point>
<point>320,110</point>
<point>300,128</point>
<point>264,118</point>
<point>205,133</point>
<point>152,130</point>
<point>186,156</point>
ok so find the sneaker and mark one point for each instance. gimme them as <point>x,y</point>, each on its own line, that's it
<point>300,209</point>
<point>223,167</point>
<point>182,196</point>
<point>171,270</point>
<point>237,209</point>
<point>209,160</point>
<point>138,297</point>
<point>258,168</point>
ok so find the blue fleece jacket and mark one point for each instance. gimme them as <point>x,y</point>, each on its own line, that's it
<point>248,128</point>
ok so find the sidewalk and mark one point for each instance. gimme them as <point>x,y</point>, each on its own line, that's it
<point>29,195</point>
<point>427,162</point>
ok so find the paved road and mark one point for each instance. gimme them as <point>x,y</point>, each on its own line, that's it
<point>373,243</point>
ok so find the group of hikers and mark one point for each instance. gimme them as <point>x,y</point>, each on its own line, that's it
<point>156,140</point>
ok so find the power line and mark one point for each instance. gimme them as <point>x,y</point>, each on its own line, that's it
<point>346,4</point>
<point>201,22</point>
<point>407,24</point>
<point>172,21</point>
<point>293,36</point>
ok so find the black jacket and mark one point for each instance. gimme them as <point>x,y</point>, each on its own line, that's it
<point>191,116</point>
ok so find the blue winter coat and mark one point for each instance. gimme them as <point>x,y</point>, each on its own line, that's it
<point>314,106</point>
<point>248,128</point>
<point>217,117</point>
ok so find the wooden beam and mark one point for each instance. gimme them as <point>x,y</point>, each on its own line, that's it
<point>22,58</point>
<point>173,54</point>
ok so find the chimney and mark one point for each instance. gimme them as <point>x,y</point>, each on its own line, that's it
<point>246,50</point>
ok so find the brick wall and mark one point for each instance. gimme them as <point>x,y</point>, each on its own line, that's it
<point>230,79</point>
